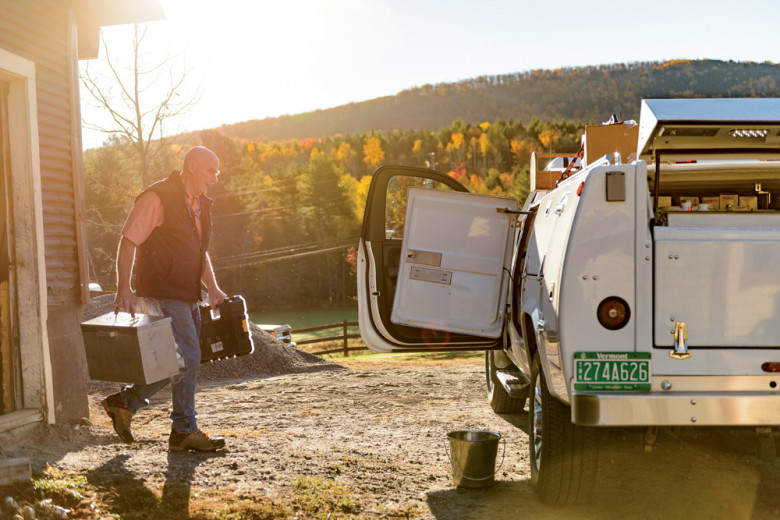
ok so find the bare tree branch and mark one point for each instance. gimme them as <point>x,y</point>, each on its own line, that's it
<point>126,96</point>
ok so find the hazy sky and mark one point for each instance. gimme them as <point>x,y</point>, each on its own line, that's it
<point>253,59</point>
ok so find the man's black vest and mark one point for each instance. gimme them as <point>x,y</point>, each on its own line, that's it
<point>169,264</point>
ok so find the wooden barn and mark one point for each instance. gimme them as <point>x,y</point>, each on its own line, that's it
<point>43,265</point>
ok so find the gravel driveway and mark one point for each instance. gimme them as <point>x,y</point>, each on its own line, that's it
<point>307,438</point>
<point>377,432</point>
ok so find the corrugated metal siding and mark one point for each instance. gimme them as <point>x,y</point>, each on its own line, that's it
<point>39,31</point>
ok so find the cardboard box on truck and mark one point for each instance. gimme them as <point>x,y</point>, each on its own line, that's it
<point>608,139</point>
<point>712,202</point>
<point>749,201</point>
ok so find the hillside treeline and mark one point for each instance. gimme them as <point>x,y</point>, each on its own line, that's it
<point>287,213</point>
<point>576,94</point>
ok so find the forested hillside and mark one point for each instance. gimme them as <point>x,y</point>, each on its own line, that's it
<point>579,94</point>
<point>287,211</point>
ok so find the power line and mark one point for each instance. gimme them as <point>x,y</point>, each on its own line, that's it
<point>282,251</point>
<point>287,257</point>
<point>247,189</point>
<point>226,195</point>
<point>275,208</point>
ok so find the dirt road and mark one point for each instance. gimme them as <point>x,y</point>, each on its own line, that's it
<point>367,441</point>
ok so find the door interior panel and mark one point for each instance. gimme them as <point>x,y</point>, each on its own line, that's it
<point>383,228</point>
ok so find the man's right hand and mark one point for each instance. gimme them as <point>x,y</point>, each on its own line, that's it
<point>125,301</point>
<point>125,296</point>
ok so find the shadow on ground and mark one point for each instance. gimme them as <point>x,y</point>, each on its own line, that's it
<point>124,491</point>
<point>689,474</point>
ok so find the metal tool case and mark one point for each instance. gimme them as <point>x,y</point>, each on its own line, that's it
<point>128,349</point>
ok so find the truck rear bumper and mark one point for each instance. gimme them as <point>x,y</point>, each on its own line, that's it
<point>690,409</point>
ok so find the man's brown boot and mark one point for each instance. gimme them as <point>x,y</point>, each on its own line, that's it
<point>195,441</point>
<point>120,415</point>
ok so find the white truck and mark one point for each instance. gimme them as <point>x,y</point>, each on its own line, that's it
<point>639,285</point>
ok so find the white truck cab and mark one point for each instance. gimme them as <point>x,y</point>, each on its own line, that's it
<point>639,284</point>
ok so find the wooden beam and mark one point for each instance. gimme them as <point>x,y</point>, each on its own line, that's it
<point>79,194</point>
<point>14,470</point>
<point>28,287</point>
<point>14,420</point>
<point>6,349</point>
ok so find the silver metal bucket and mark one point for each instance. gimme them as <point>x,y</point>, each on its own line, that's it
<point>472,454</point>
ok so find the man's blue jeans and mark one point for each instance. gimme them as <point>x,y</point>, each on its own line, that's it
<point>185,319</point>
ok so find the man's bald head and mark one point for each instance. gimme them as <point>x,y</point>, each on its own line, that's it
<point>195,155</point>
<point>200,170</point>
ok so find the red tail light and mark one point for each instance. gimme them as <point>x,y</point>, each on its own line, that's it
<point>613,313</point>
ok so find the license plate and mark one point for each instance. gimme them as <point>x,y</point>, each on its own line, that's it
<point>612,371</point>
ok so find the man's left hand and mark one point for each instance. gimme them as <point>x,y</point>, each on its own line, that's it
<point>216,296</point>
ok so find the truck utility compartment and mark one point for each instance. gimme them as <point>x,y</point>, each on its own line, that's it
<point>719,275</point>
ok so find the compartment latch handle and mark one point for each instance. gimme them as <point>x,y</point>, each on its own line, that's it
<point>680,342</point>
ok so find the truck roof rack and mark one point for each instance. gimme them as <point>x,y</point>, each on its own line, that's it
<point>558,167</point>
<point>734,128</point>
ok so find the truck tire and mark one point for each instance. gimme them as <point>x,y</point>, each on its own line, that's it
<point>500,401</point>
<point>564,457</point>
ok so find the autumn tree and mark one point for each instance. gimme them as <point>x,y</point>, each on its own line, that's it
<point>456,144</point>
<point>417,151</point>
<point>549,138</point>
<point>521,149</point>
<point>328,208</point>
<point>345,156</point>
<point>329,221</point>
<point>357,191</point>
<point>373,155</point>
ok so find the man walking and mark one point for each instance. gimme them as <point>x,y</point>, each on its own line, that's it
<point>167,234</point>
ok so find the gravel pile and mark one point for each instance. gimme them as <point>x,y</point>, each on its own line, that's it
<point>271,357</point>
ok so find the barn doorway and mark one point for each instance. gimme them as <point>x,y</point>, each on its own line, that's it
<point>9,352</point>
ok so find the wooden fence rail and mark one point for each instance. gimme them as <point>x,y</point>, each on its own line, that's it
<point>344,337</point>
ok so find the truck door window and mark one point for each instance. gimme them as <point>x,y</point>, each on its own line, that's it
<point>395,203</point>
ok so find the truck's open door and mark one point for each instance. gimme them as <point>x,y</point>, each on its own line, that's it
<point>433,263</point>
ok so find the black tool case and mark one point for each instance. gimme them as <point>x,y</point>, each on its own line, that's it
<point>227,334</point>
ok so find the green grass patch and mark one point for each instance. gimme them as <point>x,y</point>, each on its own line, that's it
<point>305,318</point>
<point>249,510</point>
<point>64,489</point>
<point>128,498</point>
<point>323,499</point>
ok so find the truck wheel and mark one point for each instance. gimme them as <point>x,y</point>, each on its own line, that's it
<point>564,457</point>
<point>500,401</point>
